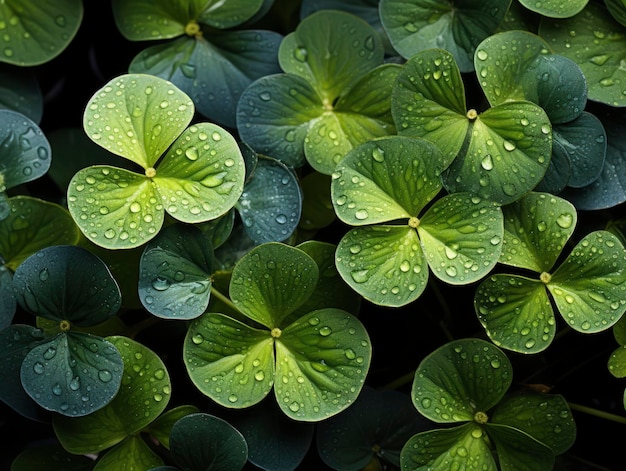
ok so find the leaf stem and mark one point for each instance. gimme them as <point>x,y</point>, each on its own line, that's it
<point>225,299</point>
<point>598,413</point>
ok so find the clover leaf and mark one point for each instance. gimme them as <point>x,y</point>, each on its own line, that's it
<point>382,187</point>
<point>587,288</point>
<point>465,382</point>
<point>457,26</point>
<point>142,397</point>
<point>499,155</point>
<point>316,363</point>
<point>333,95</point>
<point>70,372</point>
<point>140,117</point>
<point>555,8</point>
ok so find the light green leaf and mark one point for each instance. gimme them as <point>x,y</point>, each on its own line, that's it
<point>518,451</point>
<point>132,453</point>
<point>444,449</point>
<point>35,32</point>
<point>457,26</point>
<point>142,397</point>
<point>331,49</point>
<point>516,313</point>
<point>113,207</point>
<point>598,46</point>
<point>428,101</point>
<point>33,224</point>
<point>322,360</point>
<point>536,229</point>
<point>589,288</point>
<point>228,361</point>
<point>555,8</point>
<point>227,14</point>
<point>507,155</point>
<point>137,117</point>
<point>143,20</point>
<point>617,362</point>
<point>386,179</point>
<point>271,281</point>
<point>202,175</point>
<point>446,388</point>
<point>461,237</point>
<point>384,264</point>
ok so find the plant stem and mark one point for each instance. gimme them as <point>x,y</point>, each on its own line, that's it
<point>399,382</point>
<point>598,413</point>
<point>225,299</point>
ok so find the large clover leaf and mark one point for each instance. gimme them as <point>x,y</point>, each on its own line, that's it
<point>316,364</point>
<point>211,65</point>
<point>37,31</point>
<point>597,45</point>
<point>464,382</point>
<point>383,186</point>
<point>140,117</point>
<point>587,289</point>
<point>498,155</point>
<point>457,26</point>
<point>70,286</point>
<point>333,95</point>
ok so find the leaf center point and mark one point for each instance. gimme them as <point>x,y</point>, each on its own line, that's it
<point>276,332</point>
<point>65,325</point>
<point>472,114</point>
<point>545,277</point>
<point>150,172</point>
<point>414,222</point>
<point>481,417</point>
<point>193,29</point>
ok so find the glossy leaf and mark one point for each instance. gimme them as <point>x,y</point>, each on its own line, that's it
<point>461,236</point>
<point>175,273</point>
<point>428,101</point>
<point>384,264</point>
<point>202,441</point>
<point>507,155</point>
<point>62,371</point>
<point>617,9</point>
<point>448,377</point>
<point>377,425</point>
<point>597,47</point>
<point>25,150</point>
<point>66,284</point>
<point>456,26</point>
<point>143,395</point>
<point>38,31</point>
<point>20,91</point>
<point>545,417</point>
<point>322,360</point>
<point>271,281</point>
<point>34,224</point>
<point>444,449</point>
<point>555,8</point>
<point>133,453</point>
<point>47,456</point>
<point>533,73</point>
<point>559,171</point>
<point>588,288</point>
<point>331,50</point>
<point>137,117</point>
<point>617,362</point>
<point>518,450</point>
<point>8,304</point>
<point>516,313</point>
<point>317,208</point>
<point>161,427</point>
<point>18,340</point>
<point>386,179</point>
<point>536,229</point>
<point>229,361</point>
<point>271,202</point>
<point>213,69</point>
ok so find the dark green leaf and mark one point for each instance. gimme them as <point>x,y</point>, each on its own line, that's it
<point>589,287</point>
<point>175,273</point>
<point>222,15</point>
<point>67,284</point>
<point>271,202</point>
<point>132,453</point>
<point>218,230</point>
<point>555,8</point>
<point>271,281</point>
<point>38,31</point>
<point>617,9</point>
<point>545,417</point>
<point>445,449</point>
<point>202,442</point>
<point>143,396</point>
<point>20,91</point>
<point>559,171</point>
<point>317,208</point>
<point>518,451</point>
<point>516,313</point>
<point>617,362</point>
<point>25,150</point>
<point>51,457</point>
<point>461,379</point>
<point>457,26</point>
<point>536,228</point>
<point>63,371</point>
<point>151,20</point>
<point>161,427</point>
<point>384,264</point>
<point>322,360</point>
<point>8,304</point>
<point>461,236</point>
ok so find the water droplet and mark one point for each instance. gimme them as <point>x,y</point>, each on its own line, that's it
<point>294,407</point>
<point>191,153</point>
<point>361,214</point>
<point>232,398</point>
<point>135,207</point>
<point>482,54</point>
<point>487,162</point>
<point>325,331</point>
<point>44,274</point>
<point>349,353</point>
<point>378,154</point>
<point>50,353</point>
<point>160,284</point>
<point>360,276</point>
<point>405,266</point>
<point>426,403</point>
<point>565,220</point>
<point>38,368</point>
<point>300,54</point>
<point>510,146</point>
<point>281,219</point>
<point>265,96</point>
<point>451,271</point>
<point>105,376</point>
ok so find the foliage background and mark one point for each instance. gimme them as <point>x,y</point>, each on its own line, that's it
<point>574,365</point>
